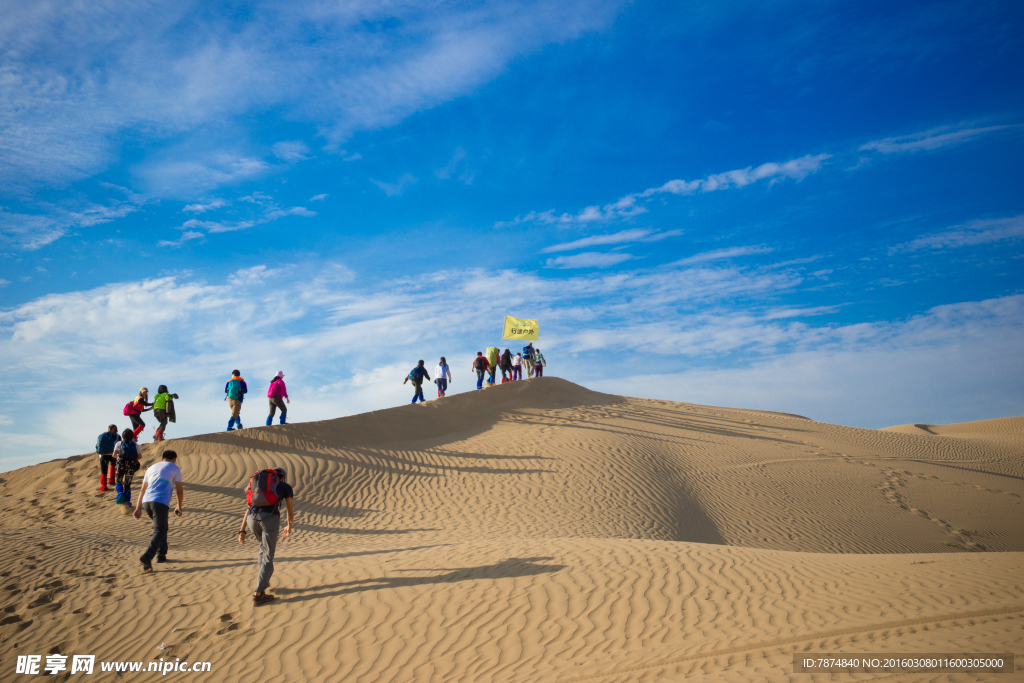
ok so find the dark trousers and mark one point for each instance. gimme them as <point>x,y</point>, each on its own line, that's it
<point>136,420</point>
<point>158,543</point>
<point>161,417</point>
<point>275,403</point>
<point>106,460</point>
<point>538,370</point>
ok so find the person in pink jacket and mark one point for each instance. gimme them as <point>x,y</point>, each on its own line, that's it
<point>276,393</point>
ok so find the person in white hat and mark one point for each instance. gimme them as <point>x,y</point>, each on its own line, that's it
<point>278,394</point>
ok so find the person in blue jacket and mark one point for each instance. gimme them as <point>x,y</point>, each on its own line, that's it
<point>528,359</point>
<point>235,391</point>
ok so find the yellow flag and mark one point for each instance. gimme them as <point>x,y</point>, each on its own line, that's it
<point>518,328</point>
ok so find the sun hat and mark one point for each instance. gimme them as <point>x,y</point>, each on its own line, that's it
<point>280,373</point>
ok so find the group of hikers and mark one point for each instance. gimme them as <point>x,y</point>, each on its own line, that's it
<point>162,482</point>
<point>524,365</point>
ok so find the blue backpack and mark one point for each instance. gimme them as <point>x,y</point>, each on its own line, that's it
<point>417,374</point>
<point>528,352</point>
<point>106,442</point>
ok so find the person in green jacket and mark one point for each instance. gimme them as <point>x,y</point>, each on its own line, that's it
<point>160,411</point>
<point>235,391</point>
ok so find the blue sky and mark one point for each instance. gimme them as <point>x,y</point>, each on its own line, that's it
<point>806,207</point>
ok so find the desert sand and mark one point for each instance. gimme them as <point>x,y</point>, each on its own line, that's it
<point>538,531</point>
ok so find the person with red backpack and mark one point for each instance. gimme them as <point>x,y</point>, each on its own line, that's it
<point>481,365</point>
<point>135,408</point>
<point>266,490</point>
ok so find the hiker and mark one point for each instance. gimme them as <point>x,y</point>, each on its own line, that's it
<point>275,393</point>
<point>105,443</point>
<point>266,490</point>
<point>127,453</point>
<point>235,391</point>
<point>528,358</point>
<point>506,366</point>
<point>442,375</point>
<point>517,367</point>
<point>416,375</point>
<point>538,363</point>
<point>480,364</point>
<point>492,363</point>
<point>134,409</point>
<point>161,480</point>
<point>163,410</point>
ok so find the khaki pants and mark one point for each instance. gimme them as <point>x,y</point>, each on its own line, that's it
<point>236,406</point>
<point>528,367</point>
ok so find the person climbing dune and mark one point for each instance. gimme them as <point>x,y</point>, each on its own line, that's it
<point>160,410</point>
<point>133,410</point>
<point>234,391</point>
<point>416,376</point>
<point>275,393</point>
<point>105,444</point>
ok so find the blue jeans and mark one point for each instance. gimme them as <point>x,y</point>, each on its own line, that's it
<point>480,378</point>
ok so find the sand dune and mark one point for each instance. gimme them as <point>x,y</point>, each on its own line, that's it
<point>539,531</point>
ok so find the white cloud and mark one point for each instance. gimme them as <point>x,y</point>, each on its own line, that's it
<point>453,167</point>
<point>719,254</point>
<point>970,233</point>
<point>186,236</point>
<point>174,176</point>
<point>588,259</point>
<point>621,237</point>
<point>33,231</point>
<point>291,150</point>
<point>796,169</point>
<point>211,205</point>
<point>935,138</point>
<point>4,283</point>
<point>628,206</point>
<point>396,188</point>
<point>267,213</point>
<point>318,197</point>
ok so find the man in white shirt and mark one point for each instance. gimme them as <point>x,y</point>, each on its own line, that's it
<point>162,480</point>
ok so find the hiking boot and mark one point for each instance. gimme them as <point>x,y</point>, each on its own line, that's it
<point>160,559</point>
<point>270,420</point>
<point>147,566</point>
<point>284,418</point>
<point>262,599</point>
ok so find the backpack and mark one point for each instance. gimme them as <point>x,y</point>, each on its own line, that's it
<point>528,352</point>
<point>262,489</point>
<point>416,375</point>
<point>130,451</point>
<point>480,363</point>
<point>130,409</point>
<point>105,444</point>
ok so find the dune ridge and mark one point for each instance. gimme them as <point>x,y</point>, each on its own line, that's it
<point>538,531</point>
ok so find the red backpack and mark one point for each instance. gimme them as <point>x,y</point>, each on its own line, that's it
<point>262,489</point>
